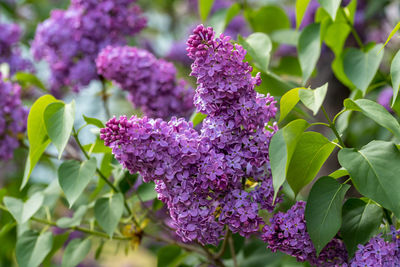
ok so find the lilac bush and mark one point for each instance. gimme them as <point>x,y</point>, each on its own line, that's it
<point>71,39</point>
<point>151,83</point>
<point>13,117</point>
<point>200,176</point>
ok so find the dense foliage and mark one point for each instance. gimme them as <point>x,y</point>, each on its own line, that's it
<point>199,133</point>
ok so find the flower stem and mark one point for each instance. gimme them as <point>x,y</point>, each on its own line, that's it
<point>232,249</point>
<point>333,127</point>
<point>353,30</point>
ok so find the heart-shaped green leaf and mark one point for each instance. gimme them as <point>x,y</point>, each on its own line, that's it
<point>360,67</point>
<point>309,49</point>
<point>205,8</point>
<point>311,151</point>
<point>67,222</point>
<point>313,99</point>
<point>73,177</point>
<point>21,211</point>
<point>331,6</point>
<point>281,149</point>
<point>259,46</point>
<point>108,211</point>
<point>59,120</point>
<point>395,74</point>
<point>288,102</point>
<point>32,248</point>
<point>374,170</point>
<point>146,191</point>
<point>76,252</point>
<point>360,221</point>
<point>323,212</point>
<point>37,134</point>
<point>93,121</point>
<point>375,112</point>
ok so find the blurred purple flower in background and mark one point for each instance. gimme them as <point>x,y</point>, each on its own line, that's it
<point>13,117</point>
<point>151,82</point>
<point>71,39</point>
<point>385,98</point>
<point>10,35</point>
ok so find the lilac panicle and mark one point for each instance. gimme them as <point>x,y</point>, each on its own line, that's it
<point>378,252</point>
<point>10,35</point>
<point>203,177</point>
<point>13,118</point>
<point>151,82</point>
<point>71,39</point>
<point>287,233</point>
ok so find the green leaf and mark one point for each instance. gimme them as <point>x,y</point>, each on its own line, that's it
<point>37,134</point>
<point>108,211</point>
<point>288,102</point>
<point>309,49</point>
<point>339,173</point>
<point>313,99</point>
<point>59,120</point>
<point>205,8</point>
<point>21,211</point>
<point>395,29</point>
<point>146,192</point>
<point>273,84</point>
<point>287,137</point>
<point>268,19</point>
<point>97,147</point>
<point>285,36</point>
<point>76,252</point>
<point>94,121</point>
<point>360,67</point>
<point>259,46</point>
<point>167,255</point>
<point>395,75</point>
<point>222,17</point>
<point>312,150</point>
<point>360,221</point>
<point>197,118</point>
<point>374,171</point>
<point>337,68</point>
<point>336,35</point>
<point>331,6</point>
<point>73,177</point>
<point>301,7</point>
<point>323,212</point>
<point>67,222</point>
<point>375,112</point>
<point>31,248</point>
<point>28,79</point>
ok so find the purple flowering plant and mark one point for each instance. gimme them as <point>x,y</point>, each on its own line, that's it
<point>247,161</point>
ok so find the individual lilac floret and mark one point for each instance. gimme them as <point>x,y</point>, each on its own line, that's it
<point>287,233</point>
<point>151,82</point>
<point>12,118</point>
<point>202,177</point>
<point>378,252</point>
<point>10,35</point>
<point>71,39</point>
<point>385,98</point>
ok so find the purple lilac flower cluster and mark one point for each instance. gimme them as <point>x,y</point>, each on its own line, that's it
<point>10,35</point>
<point>12,118</point>
<point>287,233</point>
<point>202,176</point>
<point>151,82</point>
<point>71,39</point>
<point>378,252</point>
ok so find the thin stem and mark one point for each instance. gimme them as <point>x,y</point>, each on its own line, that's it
<point>232,249</point>
<point>223,246</point>
<point>333,127</point>
<point>104,97</point>
<point>353,30</point>
<point>319,123</point>
<point>81,229</point>
<point>337,115</point>
<point>348,180</point>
